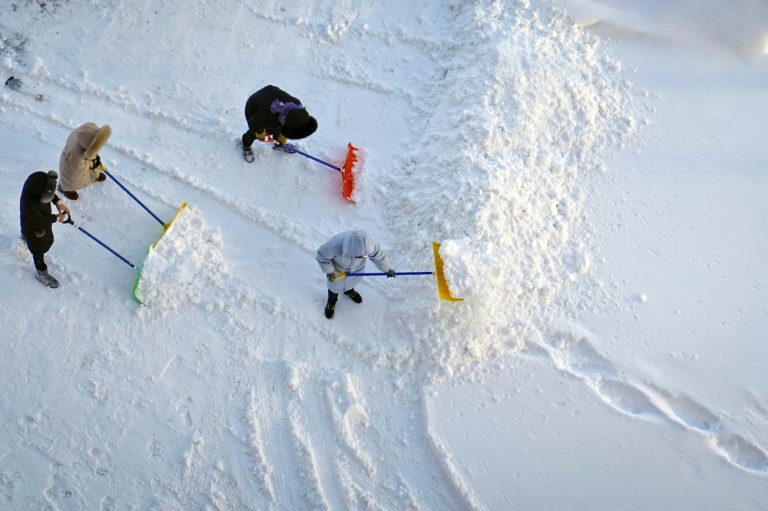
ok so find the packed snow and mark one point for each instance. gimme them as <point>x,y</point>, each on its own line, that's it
<point>594,170</point>
<point>184,265</point>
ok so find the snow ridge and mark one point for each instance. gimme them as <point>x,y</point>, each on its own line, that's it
<point>530,105</point>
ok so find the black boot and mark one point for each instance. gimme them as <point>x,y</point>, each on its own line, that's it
<point>354,295</point>
<point>330,307</point>
<point>247,152</point>
<point>47,279</point>
<point>69,195</point>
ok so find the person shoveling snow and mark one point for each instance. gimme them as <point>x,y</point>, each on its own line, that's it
<point>80,164</point>
<point>272,112</point>
<point>38,194</point>
<point>345,253</point>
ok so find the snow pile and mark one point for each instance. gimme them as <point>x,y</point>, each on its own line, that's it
<point>529,105</point>
<point>185,266</point>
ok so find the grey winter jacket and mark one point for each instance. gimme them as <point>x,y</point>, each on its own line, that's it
<point>347,252</point>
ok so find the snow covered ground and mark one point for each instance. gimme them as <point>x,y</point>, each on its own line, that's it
<point>595,171</point>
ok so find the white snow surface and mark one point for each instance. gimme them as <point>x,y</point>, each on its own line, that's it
<point>594,170</point>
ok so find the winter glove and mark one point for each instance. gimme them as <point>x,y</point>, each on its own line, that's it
<point>391,273</point>
<point>334,276</point>
<point>262,136</point>
<point>96,163</point>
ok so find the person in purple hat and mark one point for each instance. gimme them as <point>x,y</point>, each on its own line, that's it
<point>273,112</point>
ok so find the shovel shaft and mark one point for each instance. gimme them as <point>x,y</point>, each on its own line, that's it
<point>134,197</point>
<point>397,274</point>
<point>94,238</point>
<point>318,160</point>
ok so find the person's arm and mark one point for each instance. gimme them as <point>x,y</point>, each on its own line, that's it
<point>60,206</point>
<point>379,258</point>
<point>325,259</point>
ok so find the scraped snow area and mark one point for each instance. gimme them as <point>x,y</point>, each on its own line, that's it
<point>594,170</point>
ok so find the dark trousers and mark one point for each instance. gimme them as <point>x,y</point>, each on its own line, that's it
<point>37,257</point>
<point>39,260</point>
<point>248,139</point>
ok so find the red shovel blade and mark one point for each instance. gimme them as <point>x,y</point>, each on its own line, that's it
<point>348,173</point>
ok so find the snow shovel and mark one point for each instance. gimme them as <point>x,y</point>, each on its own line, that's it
<point>442,285</point>
<point>347,176</point>
<point>94,238</point>
<point>166,226</point>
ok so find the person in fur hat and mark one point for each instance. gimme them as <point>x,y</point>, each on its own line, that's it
<point>272,111</point>
<point>347,252</point>
<point>38,194</point>
<point>80,164</point>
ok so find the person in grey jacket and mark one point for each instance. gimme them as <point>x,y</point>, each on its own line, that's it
<point>347,252</point>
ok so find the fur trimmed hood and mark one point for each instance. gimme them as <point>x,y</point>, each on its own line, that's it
<point>91,139</point>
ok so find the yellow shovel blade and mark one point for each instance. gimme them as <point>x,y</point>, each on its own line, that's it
<point>168,225</point>
<point>442,285</point>
<point>151,247</point>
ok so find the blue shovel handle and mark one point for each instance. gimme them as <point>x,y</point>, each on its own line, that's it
<point>134,197</point>
<point>94,238</point>
<point>397,274</point>
<point>318,160</point>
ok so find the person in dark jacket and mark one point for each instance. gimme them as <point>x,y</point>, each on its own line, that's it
<point>37,221</point>
<point>272,111</point>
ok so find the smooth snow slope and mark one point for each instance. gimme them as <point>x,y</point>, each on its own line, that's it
<point>678,241</point>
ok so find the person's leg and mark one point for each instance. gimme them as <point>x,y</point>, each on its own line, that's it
<point>330,307</point>
<point>351,282</point>
<point>39,260</point>
<point>248,139</point>
<point>354,295</point>
<point>245,145</point>
<point>42,270</point>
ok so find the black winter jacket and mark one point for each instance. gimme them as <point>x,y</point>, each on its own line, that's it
<point>257,110</point>
<point>36,217</point>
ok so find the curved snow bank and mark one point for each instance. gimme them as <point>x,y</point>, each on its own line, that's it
<point>740,26</point>
<point>184,266</point>
<point>529,104</point>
